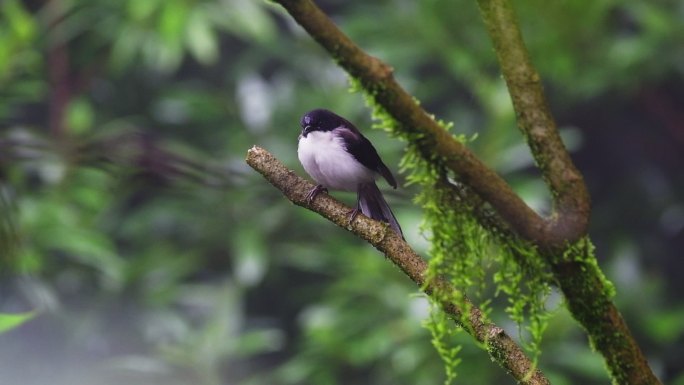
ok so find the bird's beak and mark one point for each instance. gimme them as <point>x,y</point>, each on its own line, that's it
<point>307,129</point>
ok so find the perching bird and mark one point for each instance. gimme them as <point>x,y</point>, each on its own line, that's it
<point>338,157</point>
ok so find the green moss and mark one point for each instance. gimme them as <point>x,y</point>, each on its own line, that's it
<point>583,251</point>
<point>465,253</point>
<point>592,291</point>
<point>442,339</point>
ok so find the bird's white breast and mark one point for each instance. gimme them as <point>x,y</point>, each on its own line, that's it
<point>325,159</point>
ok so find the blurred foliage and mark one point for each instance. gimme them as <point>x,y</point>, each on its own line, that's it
<point>151,253</point>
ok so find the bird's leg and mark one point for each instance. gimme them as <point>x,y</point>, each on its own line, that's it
<point>314,191</point>
<point>353,213</point>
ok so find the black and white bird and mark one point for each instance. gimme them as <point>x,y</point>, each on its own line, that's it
<point>338,157</point>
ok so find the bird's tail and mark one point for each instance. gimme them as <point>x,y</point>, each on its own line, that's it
<point>373,205</point>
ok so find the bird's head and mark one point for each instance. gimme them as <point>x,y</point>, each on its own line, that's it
<point>320,120</point>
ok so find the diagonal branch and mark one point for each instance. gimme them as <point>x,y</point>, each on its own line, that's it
<point>499,345</point>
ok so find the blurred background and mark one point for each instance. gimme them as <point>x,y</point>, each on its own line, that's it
<point>150,253</point>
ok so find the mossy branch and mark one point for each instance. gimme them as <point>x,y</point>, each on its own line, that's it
<point>499,345</point>
<point>587,292</point>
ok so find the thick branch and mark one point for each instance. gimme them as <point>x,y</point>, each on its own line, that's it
<point>589,301</point>
<point>499,345</point>
<point>587,295</point>
<point>570,195</point>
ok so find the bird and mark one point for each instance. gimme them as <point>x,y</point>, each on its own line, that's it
<point>338,157</point>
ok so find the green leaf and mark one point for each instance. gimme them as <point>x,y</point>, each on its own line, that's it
<point>11,321</point>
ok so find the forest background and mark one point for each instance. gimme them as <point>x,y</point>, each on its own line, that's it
<point>150,252</point>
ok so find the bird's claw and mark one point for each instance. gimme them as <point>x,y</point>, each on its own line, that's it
<point>352,215</point>
<point>314,191</point>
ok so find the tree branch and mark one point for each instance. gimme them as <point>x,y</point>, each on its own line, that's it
<point>499,345</point>
<point>581,281</point>
<point>570,195</point>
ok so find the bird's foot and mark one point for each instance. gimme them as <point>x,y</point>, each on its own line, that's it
<point>315,191</point>
<point>352,215</point>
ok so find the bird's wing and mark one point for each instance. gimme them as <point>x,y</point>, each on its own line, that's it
<point>363,151</point>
